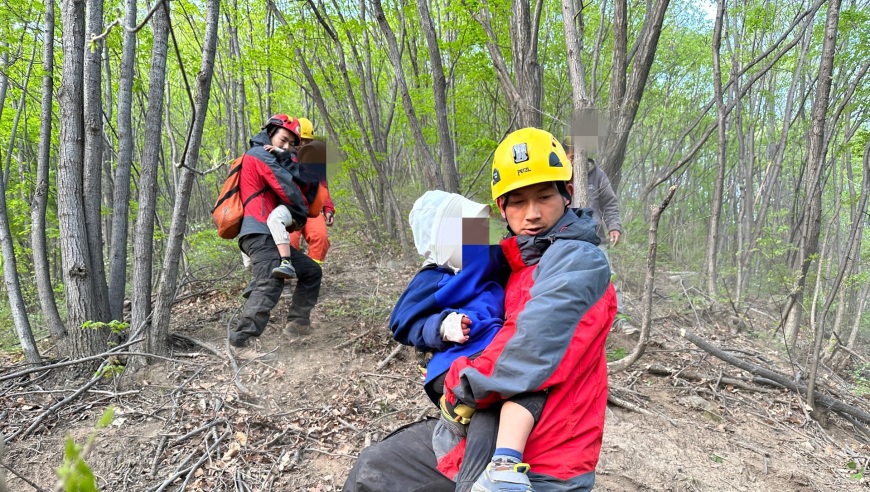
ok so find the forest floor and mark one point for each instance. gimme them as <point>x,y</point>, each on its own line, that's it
<point>296,424</point>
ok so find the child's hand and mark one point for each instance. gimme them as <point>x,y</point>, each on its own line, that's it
<point>455,328</point>
<point>273,149</point>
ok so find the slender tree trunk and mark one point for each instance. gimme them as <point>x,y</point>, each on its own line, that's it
<point>39,206</point>
<point>627,86</point>
<point>93,157</point>
<point>439,88</point>
<point>17,119</point>
<point>719,185</point>
<point>121,198</point>
<point>432,170</point>
<point>524,91</point>
<point>77,272</point>
<point>10,267</point>
<point>159,334</point>
<point>813,207</point>
<point>581,103</point>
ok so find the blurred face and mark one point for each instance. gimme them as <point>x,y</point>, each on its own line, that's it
<point>283,139</point>
<point>305,141</point>
<point>534,209</point>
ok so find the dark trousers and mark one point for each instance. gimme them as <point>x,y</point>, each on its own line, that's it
<point>264,256</point>
<point>405,462</point>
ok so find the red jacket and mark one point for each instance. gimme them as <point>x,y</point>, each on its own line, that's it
<point>559,305</point>
<point>265,183</point>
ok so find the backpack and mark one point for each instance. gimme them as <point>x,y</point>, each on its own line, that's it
<point>229,210</point>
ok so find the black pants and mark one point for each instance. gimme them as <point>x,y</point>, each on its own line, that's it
<point>267,289</point>
<point>405,462</point>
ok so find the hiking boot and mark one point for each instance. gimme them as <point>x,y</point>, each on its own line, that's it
<point>496,479</point>
<point>249,352</point>
<point>246,293</point>
<point>624,327</point>
<point>296,327</point>
<point>285,270</point>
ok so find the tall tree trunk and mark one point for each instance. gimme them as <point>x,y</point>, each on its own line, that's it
<point>432,169</point>
<point>627,86</point>
<point>525,90</point>
<point>581,103</point>
<point>809,240</point>
<point>719,184</point>
<point>439,88</point>
<point>121,198</point>
<point>20,109</point>
<point>7,246</point>
<point>39,206</point>
<point>93,157</point>
<point>77,272</point>
<point>159,334</point>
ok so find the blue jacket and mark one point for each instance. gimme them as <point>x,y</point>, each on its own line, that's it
<point>476,291</point>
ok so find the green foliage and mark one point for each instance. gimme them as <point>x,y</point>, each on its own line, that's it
<point>117,327</point>
<point>860,380</point>
<point>857,471</point>
<point>616,354</point>
<point>75,474</point>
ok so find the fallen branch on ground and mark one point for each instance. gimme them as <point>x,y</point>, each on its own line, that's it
<point>390,356</point>
<point>696,376</point>
<point>822,399</point>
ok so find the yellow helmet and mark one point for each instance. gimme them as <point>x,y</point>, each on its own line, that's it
<point>525,157</point>
<point>306,129</point>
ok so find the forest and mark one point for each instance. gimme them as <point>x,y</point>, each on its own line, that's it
<point>119,119</point>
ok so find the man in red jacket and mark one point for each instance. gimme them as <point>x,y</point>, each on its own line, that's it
<point>269,179</point>
<point>559,305</point>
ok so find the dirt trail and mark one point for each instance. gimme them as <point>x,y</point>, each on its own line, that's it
<point>187,424</point>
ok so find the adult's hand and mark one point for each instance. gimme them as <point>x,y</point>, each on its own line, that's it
<point>614,238</point>
<point>330,218</point>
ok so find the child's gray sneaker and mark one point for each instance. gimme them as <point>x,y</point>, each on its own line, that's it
<point>285,270</point>
<point>514,479</point>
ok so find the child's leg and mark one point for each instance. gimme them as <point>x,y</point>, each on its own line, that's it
<point>516,421</point>
<point>515,425</point>
<point>278,221</point>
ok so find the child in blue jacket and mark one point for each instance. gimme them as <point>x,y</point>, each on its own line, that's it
<point>452,308</point>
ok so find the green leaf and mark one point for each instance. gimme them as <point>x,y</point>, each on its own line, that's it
<point>107,417</point>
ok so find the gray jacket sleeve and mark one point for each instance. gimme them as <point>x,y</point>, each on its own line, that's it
<point>608,203</point>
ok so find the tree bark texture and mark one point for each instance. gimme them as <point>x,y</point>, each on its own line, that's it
<point>432,169</point>
<point>722,142</point>
<point>143,248</point>
<point>121,197</point>
<point>39,206</point>
<point>648,284</point>
<point>159,333</point>
<point>75,257</point>
<point>627,90</point>
<point>439,89</point>
<point>579,98</point>
<point>812,216</point>
<point>524,91</point>
<point>93,157</point>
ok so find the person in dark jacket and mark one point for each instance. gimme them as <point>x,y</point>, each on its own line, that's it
<point>559,305</point>
<point>605,210</point>
<point>269,179</point>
